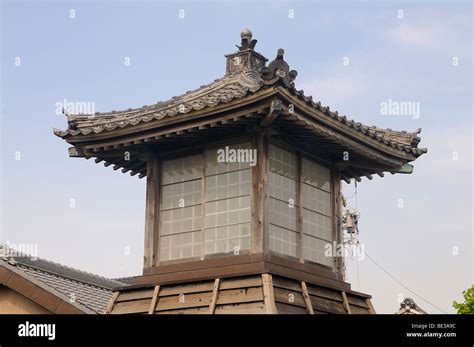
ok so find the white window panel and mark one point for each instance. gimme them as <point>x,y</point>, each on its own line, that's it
<point>283,162</point>
<point>228,185</point>
<point>282,188</point>
<point>314,250</point>
<point>181,220</point>
<point>213,166</point>
<point>182,194</point>
<point>282,240</point>
<point>316,175</point>
<point>316,199</point>
<point>228,239</point>
<point>317,225</point>
<point>182,169</point>
<point>281,214</point>
<point>228,211</point>
<point>185,245</point>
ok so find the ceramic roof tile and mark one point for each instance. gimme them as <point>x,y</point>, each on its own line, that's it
<point>85,288</point>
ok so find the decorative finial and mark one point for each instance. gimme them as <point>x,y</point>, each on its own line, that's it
<point>247,42</point>
<point>246,34</point>
<point>279,69</point>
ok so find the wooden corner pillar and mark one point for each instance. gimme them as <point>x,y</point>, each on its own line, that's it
<point>152,211</point>
<point>338,264</point>
<point>268,294</point>
<point>259,194</point>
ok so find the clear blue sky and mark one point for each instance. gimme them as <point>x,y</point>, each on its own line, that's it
<point>82,59</point>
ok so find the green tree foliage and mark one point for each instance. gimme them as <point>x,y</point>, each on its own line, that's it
<point>466,307</point>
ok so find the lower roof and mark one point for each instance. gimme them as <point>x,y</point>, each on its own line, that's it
<point>86,292</point>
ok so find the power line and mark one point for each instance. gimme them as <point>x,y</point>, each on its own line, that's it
<point>400,283</point>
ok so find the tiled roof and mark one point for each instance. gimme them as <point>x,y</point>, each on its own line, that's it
<point>234,85</point>
<point>220,91</point>
<point>88,289</point>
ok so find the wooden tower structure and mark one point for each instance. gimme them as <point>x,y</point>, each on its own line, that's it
<point>243,191</point>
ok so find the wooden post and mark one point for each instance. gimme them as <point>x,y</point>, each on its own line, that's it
<point>307,300</point>
<point>345,303</point>
<point>268,295</point>
<point>154,299</point>
<point>203,204</point>
<point>338,263</point>
<point>259,195</point>
<point>152,212</point>
<point>110,306</point>
<point>215,293</point>
<point>299,208</point>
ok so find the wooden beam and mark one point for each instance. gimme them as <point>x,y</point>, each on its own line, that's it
<point>346,179</point>
<point>345,303</point>
<point>154,299</point>
<point>307,300</point>
<point>215,293</point>
<point>268,294</point>
<point>133,165</point>
<point>76,152</point>
<point>152,211</point>
<point>371,307</point>
<point>405,169</point>
<point>342,164</point>
<point>112,300</point>
<point>273,113</point>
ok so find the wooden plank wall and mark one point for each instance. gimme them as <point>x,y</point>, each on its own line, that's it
<point>358,305</point>
<point>240,295</point>
<point>12,302</point>
<point>293,297</point>
<point>220,296</point>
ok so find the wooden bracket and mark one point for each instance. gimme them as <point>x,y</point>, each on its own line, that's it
<point>345,302</point>
<point>307,300</point>
<point>275,110</point>
<point>76,152</point>
<point>215,293</point>
<point>371,307</point>
<point>154,299</point>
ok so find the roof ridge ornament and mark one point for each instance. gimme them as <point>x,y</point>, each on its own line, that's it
<point>279,69</point>
<point>246,58</point>
<point>247,42</point>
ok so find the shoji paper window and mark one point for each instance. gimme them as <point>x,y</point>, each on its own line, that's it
<point>316,204</point>
<point>181,204</point>
<point>228,203</point>
<point>282,201</point>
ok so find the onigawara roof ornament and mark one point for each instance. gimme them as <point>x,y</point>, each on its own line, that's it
<point>409,306</point>
<point>279,69</point>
